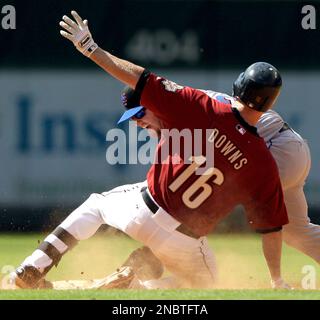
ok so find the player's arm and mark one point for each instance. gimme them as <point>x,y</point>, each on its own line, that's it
<point>120,69</point>
<point>266,213</point>
<point>158,97</point>
<point>78,33</point>
<point>272,247</point>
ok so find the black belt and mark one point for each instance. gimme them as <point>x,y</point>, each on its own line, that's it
<point>154,208</point>
<point>284,127</point>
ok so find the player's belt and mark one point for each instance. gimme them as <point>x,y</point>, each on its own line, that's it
<point>284,127</point>
<point>154,208</point>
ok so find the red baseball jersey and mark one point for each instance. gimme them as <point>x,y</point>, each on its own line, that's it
<point>199,194</point>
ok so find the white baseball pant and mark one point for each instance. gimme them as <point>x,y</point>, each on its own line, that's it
<point>189,260</point>
<point>292,155</point>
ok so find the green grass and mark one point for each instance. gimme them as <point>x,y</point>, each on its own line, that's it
<point>242,272</point>
<point>115,294</point>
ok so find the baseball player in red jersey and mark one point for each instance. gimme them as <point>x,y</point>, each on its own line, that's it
<point>292,156</point>
<point>178,206</point>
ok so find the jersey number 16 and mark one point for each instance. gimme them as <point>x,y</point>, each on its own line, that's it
<point>188,197</point>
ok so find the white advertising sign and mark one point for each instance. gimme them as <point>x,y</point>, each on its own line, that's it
<point>53,128</point>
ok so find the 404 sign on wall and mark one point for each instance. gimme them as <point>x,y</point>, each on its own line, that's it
<point>164,47</point>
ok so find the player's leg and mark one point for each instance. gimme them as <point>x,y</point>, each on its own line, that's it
<point>292,156</point>
<point>81,224</point>
<point>189,260</point>
<point>199,272</point>
<point>300,233</point>
<point>148,271</point>
<point>193,266</point>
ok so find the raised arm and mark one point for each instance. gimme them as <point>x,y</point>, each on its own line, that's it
<point>78,33</point>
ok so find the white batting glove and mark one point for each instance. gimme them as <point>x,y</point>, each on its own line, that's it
<point>280,284</point>
<point>78,33</point>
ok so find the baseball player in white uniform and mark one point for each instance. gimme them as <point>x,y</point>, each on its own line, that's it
<point>292,156</point>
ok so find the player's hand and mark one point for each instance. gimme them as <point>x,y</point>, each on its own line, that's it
<point>280,284</point>
<point>77,31</point>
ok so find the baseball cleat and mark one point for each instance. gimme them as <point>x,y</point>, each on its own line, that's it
<point>121,279</point>
<point>28,277</point>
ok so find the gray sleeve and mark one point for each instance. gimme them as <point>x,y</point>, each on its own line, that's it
<point>269,125</point>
